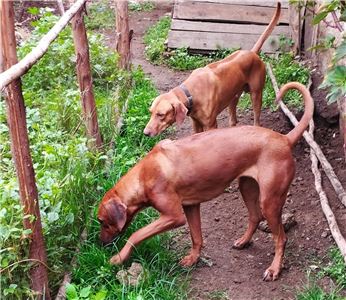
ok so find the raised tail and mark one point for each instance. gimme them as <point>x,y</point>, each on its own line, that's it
<point>296,133</point>
<point>268,30</point>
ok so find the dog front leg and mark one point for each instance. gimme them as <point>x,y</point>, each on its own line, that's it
<point>162,224</point>
<point>193,217</point>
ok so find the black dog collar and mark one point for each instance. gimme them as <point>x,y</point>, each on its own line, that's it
<point>189,98</point>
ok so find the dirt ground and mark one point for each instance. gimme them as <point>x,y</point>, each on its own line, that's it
<point>238,274</point>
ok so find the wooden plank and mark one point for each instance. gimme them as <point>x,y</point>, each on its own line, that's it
<point>265,3</point>
<point>215,40</point>
<point>185,25</point>
<point>194,10</point>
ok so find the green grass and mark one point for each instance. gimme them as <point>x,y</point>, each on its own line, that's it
<point>334,270</point>
<point>141,5</point>
<point>284,67</point>
<point>71,179</point>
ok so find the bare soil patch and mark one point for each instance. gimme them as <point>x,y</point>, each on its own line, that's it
<point>238,274</point>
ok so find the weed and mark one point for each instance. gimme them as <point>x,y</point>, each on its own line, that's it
<point>218,295</point>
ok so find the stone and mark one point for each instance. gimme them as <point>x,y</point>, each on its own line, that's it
<point>132,276</point>
<point>288,220</point>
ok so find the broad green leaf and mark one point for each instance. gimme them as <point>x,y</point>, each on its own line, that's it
<point>85,292</point>
<point>71,292</point>
<point>100,295</point>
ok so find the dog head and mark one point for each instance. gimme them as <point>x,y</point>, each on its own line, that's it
<point>165,110</point>
<point>112,215</point>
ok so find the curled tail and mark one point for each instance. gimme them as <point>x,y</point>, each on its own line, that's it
<point>296,133</point>
<point>268,30</point>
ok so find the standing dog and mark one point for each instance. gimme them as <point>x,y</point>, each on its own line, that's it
<point>177,176</point>
<point>209,90</point>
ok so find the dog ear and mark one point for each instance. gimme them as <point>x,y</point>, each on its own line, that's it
<point>180,112</point>
<point>116,212</point>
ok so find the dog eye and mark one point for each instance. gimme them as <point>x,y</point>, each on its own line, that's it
<point>160,115</point>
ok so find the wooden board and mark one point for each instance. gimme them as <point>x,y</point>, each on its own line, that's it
<point>215,40</point>
<point>266,3</point>
<point>184,25</point>
<point>221,12</point>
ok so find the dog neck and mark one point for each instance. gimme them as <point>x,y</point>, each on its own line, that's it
<point>184,95</point>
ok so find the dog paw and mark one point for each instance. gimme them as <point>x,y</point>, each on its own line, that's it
<point>240,244</point>
<point>116,260</point>
<point>270,275</point>
<point>189,260</point>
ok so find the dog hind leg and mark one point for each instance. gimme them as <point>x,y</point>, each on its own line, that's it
<point>250,192</point>
<point>272,209</point>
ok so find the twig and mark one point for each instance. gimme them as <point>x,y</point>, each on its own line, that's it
<point>27,260</point>
<point>328,169</point>
<point>328,213</point>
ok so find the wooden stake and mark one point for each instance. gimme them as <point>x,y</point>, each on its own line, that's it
<point>85,79</point>
<point>123,33</point>
<point>20,149</point>
<point>328,169</point>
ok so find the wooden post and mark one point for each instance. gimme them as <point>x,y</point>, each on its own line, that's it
<point>123,35</point>
<point>61,8</point>
<point>16,119</point>
<point>84,78</point>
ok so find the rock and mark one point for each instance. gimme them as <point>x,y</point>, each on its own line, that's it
<point>324,234</point>
<point>132,276</point>
<point>288,220</point>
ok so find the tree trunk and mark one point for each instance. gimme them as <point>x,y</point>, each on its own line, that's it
<point>123,34</point>
<point>85,79</point>
<point>16,118</point>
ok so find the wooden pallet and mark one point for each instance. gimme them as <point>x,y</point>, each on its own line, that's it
<point>213,24</point>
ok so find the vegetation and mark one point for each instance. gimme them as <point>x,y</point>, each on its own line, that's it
<point>71,180</point>
<point>284,67</point>
<point>336,271</point>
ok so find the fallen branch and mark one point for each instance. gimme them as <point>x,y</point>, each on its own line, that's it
<point>328,169</point>
<point>328,213</point>
<point>68,275</point>
<point>30,59</point>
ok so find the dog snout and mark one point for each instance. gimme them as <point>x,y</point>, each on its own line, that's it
<point>146,132</point>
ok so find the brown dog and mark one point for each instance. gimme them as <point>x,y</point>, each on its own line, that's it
<point>209,90</point>
<point>177,176</point>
